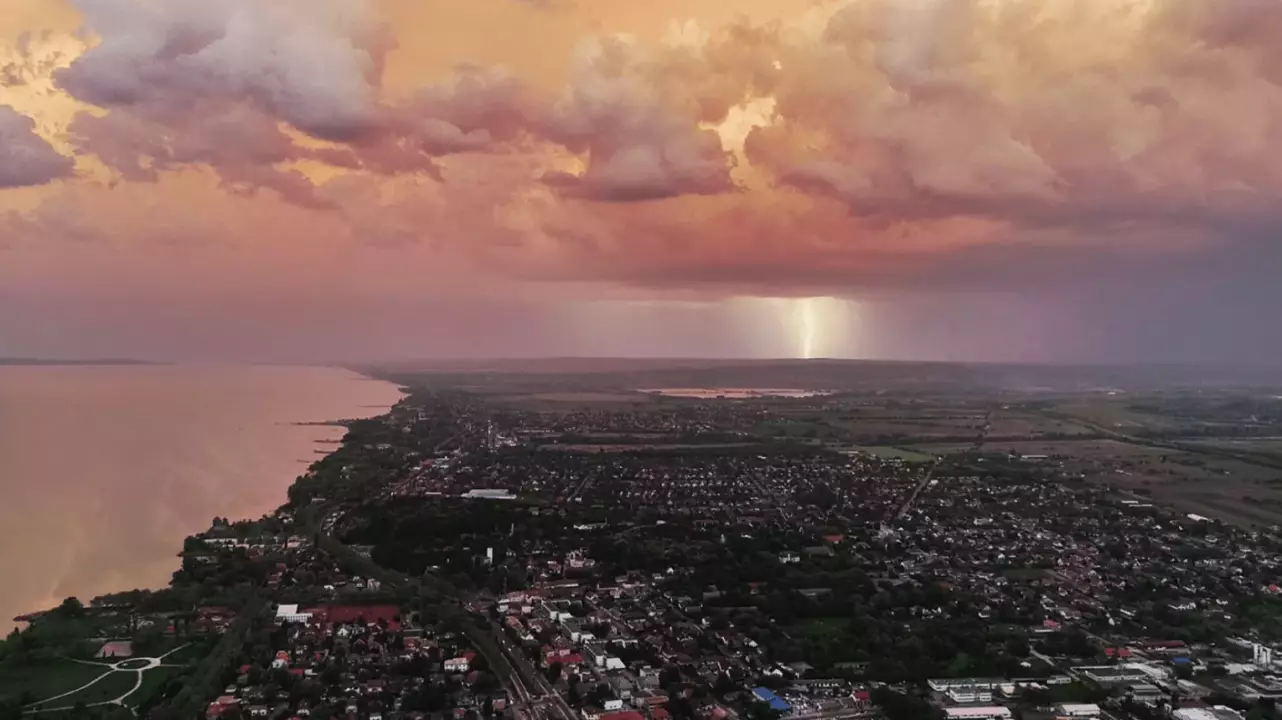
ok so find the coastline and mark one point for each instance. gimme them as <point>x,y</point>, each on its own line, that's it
<point>312,441</point>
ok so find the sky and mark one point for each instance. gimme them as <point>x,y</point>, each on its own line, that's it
<point>285,180</point>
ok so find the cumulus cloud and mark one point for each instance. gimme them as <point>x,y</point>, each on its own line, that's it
<point>920,143</point>
<point>642,138</point>
<point>25,157</point>
<point>1056,112</point>
<point>888,141</point>
<point>215,84</point>
<point>314,65</point>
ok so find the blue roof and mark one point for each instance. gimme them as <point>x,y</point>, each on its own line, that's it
<point>768,696</point>
<point>1180,660</point>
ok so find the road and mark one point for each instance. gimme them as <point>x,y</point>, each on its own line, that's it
<point>494,645</point>
<point>930,474</point>
<point>903,509</point>
<point>547,696</point>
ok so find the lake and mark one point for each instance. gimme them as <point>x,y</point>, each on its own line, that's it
<point>736,393</point>
<point>105,469</point>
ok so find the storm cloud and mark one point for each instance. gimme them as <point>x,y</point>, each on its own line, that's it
<point>866,149</point>
<point>25,157</point>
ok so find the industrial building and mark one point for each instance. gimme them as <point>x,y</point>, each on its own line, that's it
<point>987,712</point>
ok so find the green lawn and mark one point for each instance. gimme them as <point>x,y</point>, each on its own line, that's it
<point>194,652</point>
<point>153,681</point>
<point>821,627</point>
<point>891,453</point>
<point>44,679</point>
<point>116,683</point>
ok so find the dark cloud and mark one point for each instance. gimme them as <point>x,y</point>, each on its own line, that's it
<point>1060,152</point>
<point>313,65</point>
<point>25,157</point>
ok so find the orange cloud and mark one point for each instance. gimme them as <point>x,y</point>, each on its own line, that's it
<point>890,144</point>
<point>25,157</point>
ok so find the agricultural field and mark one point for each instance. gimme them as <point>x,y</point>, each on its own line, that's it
<point>640,447</point>
<point>1262,446</point>
<point>943,449</point>
<point>1013,425</point>
<point>1079,450</point>
<point>895,453</point>
<point>1175,415</point>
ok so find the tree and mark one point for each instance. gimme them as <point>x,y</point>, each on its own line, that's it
<point>71,608</point>
<point>554,672</point>
<point>761,711</point>
<point>1017,647</point>
<point>897,706</point>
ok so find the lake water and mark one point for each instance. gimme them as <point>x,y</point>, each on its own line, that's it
<point>736,393</point>
<point>104,470</point>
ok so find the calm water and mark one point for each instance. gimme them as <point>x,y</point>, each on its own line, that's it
<point>103,470</point>
<point>736,393</point>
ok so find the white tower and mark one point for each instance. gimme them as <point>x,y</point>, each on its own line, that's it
<point>1262,655</point>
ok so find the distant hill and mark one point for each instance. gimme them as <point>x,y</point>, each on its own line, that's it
<point>846,375</point>
<point>66,361</point>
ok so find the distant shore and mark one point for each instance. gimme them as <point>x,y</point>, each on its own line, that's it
<point>19,361</point>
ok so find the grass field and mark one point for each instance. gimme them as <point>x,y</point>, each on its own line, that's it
<point>44,679</point>
<point>820,627</point>
<point>894,453</point>
<point>153,681</point>
<point>1006,424</point>
<point>574,400</point>
<point>1270,445</point>
<point>189,654</point>
<point>641,447</point>
<point>112,686</point>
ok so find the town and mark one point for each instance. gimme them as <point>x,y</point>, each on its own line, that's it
<point>554,554</point>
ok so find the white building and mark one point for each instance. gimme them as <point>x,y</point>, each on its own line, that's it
<point>992,712</point>
<point>1262,655</point>
<point>970,694</point>
<point>489,494</point>
<point>1219,712</point>
<point>1078,710</point>
<point>291,613</point>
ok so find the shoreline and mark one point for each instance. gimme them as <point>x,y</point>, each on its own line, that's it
<point>327,446</point>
